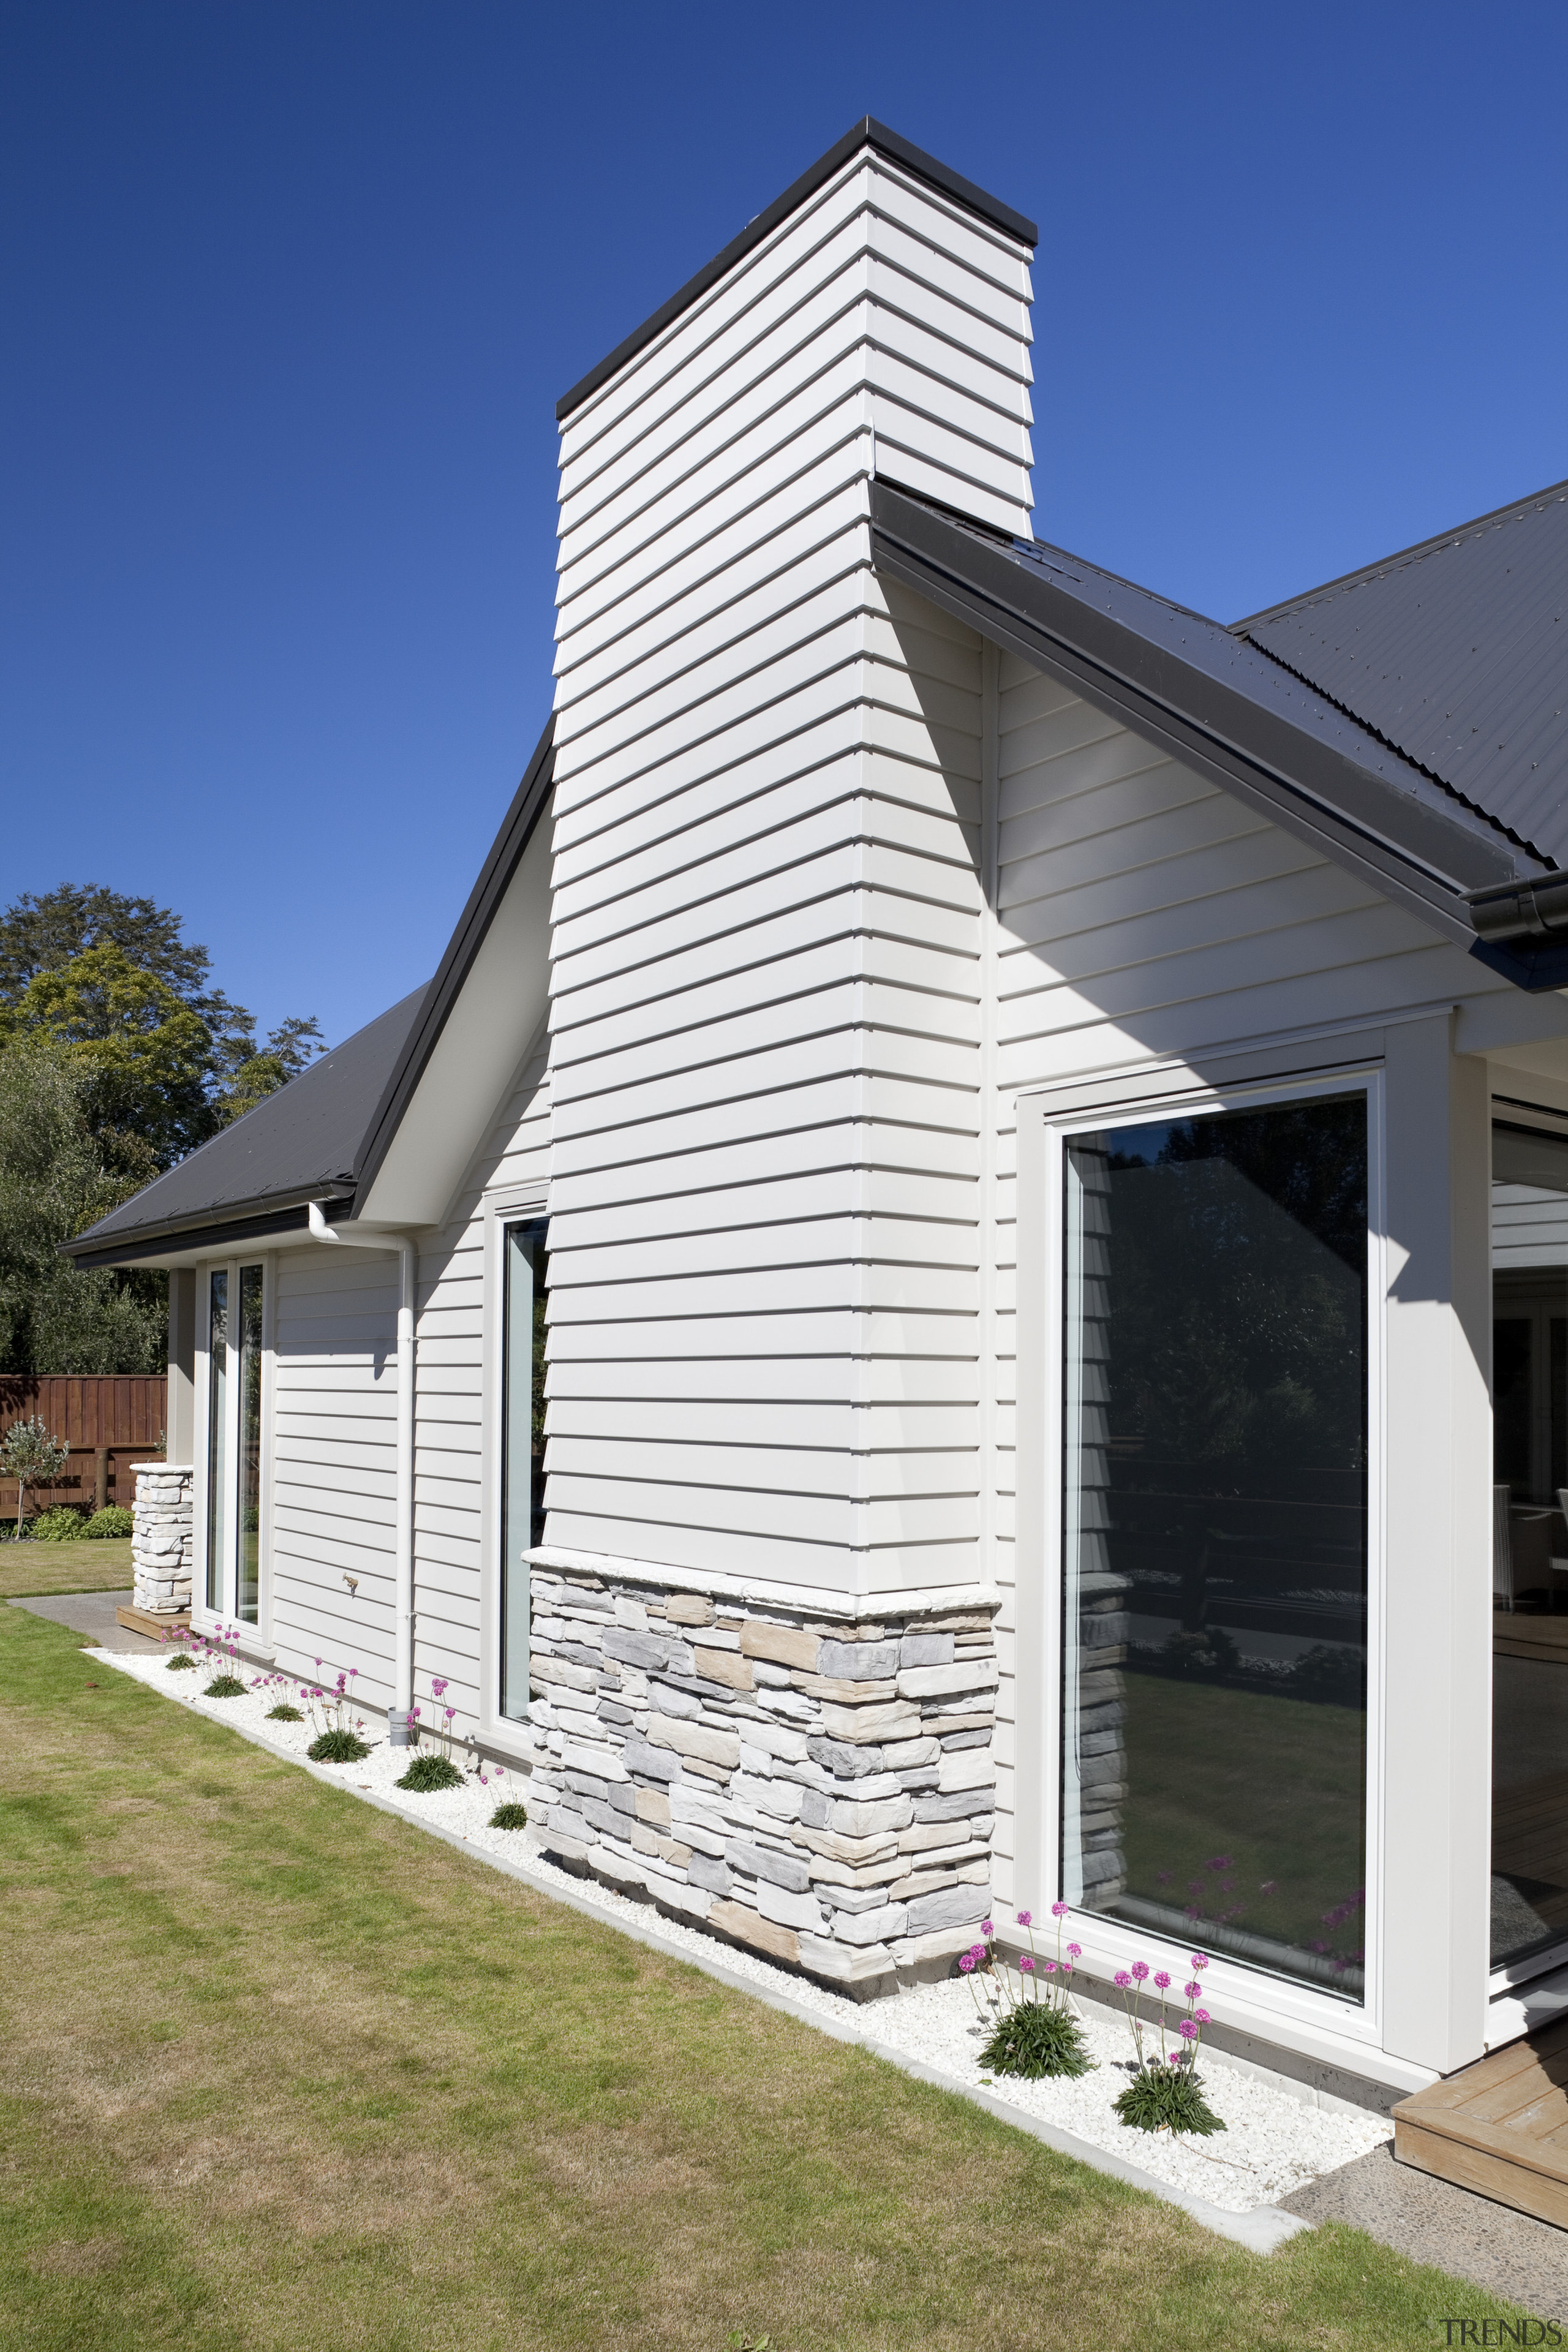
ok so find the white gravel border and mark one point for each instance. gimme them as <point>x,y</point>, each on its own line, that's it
<point>1275,2140</point>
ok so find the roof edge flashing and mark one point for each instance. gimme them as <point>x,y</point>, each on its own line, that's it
<point>866,133</point>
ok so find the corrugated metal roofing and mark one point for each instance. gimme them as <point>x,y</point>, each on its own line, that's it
<point>1455,652</point>
<point>1210,651</point>
<point>302,1141</point>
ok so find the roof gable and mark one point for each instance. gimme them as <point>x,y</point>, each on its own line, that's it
<point>328,1134</point>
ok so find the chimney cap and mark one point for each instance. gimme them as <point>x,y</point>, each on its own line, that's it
<point>866,133</point>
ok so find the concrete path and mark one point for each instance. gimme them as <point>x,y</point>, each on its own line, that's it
<point>90,1612</point>
<point>1434,2222</point>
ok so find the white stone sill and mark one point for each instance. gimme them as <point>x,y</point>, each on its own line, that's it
<point>758,1592</point>
<point>1261,2229</point>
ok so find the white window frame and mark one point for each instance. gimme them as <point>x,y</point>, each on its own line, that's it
<point>1046,1123</point>
<point>255,1640</point>
<point>506,1735</point>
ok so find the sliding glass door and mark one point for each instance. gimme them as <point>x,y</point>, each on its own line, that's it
<point>1214,1766</point>
<point>235,1346</point>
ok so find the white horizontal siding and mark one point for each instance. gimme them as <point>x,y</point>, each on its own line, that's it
<point>335,1473</point>
<point>1144,916</point>
<point>764,1009</point>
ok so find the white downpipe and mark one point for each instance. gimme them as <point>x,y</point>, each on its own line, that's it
<point>399,1721</point>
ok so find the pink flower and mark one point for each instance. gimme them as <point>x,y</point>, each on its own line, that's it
<point>1187,2030</point>
<point>985,1926</point>
<point>1025,1919</point>
<point>1161,1981</point>
<point>1123,1978</point>
<point>966,1961</point>
<point>1140,1970</point>
<point>1075,1951</point>
<point>1201,2015</point>
<point>1193,1989</point>
<point>1050,1967</point>
<point>1200,1960</point>
<point>1058,1910</point>
<point>1026,1962</point>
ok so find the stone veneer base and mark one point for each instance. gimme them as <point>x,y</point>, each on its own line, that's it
<point>162,1537</point>
<point>818,1790</point>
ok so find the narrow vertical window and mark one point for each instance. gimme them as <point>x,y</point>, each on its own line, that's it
<point>218,1429</point>
<point>247,1595</point>
<point>525,1281</point>
<point>1214,1773</point>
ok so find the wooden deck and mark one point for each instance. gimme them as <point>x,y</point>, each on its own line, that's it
<point>1500,2128</point>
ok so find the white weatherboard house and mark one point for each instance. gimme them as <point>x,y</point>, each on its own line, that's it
<point>1036,1127</point>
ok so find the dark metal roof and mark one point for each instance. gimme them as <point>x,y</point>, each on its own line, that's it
<point>866,133</point>
<point>1454,652</point>
<point>325,1134</point>
<point>299,1144</point>
<point>1234,712</point>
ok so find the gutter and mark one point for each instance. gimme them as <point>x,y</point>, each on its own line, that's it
<point>399,1716</point>
<point>1522,910</point>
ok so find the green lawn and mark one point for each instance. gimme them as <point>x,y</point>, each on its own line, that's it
<point>30,1568</point>
<point>277,2070</point>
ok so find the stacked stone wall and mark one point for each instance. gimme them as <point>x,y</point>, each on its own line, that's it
<point>162,1537</point>
<point>823,1792</point>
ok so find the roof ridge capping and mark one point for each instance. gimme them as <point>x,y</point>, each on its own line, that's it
<point>1511,511</point>
<point>866,133</point>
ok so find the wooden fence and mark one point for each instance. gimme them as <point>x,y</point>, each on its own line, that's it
<point>108,1420</point>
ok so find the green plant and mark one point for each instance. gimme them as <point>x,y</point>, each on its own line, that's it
<point>1165,2093</point>
<point>509,1817</point>
<point>32,1456</point>
<point>1035,2034</point>
<point>428,1773</point>
<point>114,1520</point>
<point>1167,2097</point>
<point>62,1524</point>
<point>181,1659</point>
<point>284,1714</point>
<point>337,1748</point>
<point>1035,2039</point>
<point>224,1686</point>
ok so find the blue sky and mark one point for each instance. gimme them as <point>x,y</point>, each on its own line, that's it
<point>289,291</point>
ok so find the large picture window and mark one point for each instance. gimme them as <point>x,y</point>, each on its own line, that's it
<point>525,1276</point>
<point>1213,1783</point>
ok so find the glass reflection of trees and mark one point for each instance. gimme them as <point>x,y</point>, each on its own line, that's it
<point>1221,1782</point>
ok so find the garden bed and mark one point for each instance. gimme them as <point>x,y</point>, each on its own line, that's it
<point>1275,2140</point>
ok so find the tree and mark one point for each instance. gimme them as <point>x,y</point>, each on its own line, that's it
<point>170,1060</point>
<point>55,1177</point>
<point>31,1455</point>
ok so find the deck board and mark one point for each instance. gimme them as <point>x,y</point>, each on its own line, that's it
<point>1500,2127</point>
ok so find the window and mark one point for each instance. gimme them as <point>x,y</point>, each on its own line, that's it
<point>1529,1543</point>
<point>233,1453</point>
<point>525,1280</point>
<point>1214,1780</point>
<point>217,1436</point>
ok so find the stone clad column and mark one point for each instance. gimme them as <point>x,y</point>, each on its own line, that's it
<point>162,1538</point>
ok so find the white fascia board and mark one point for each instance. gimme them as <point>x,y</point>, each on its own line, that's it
<point>499,1010</point>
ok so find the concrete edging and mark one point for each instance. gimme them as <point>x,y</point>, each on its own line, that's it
<point>1261,2229</point>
